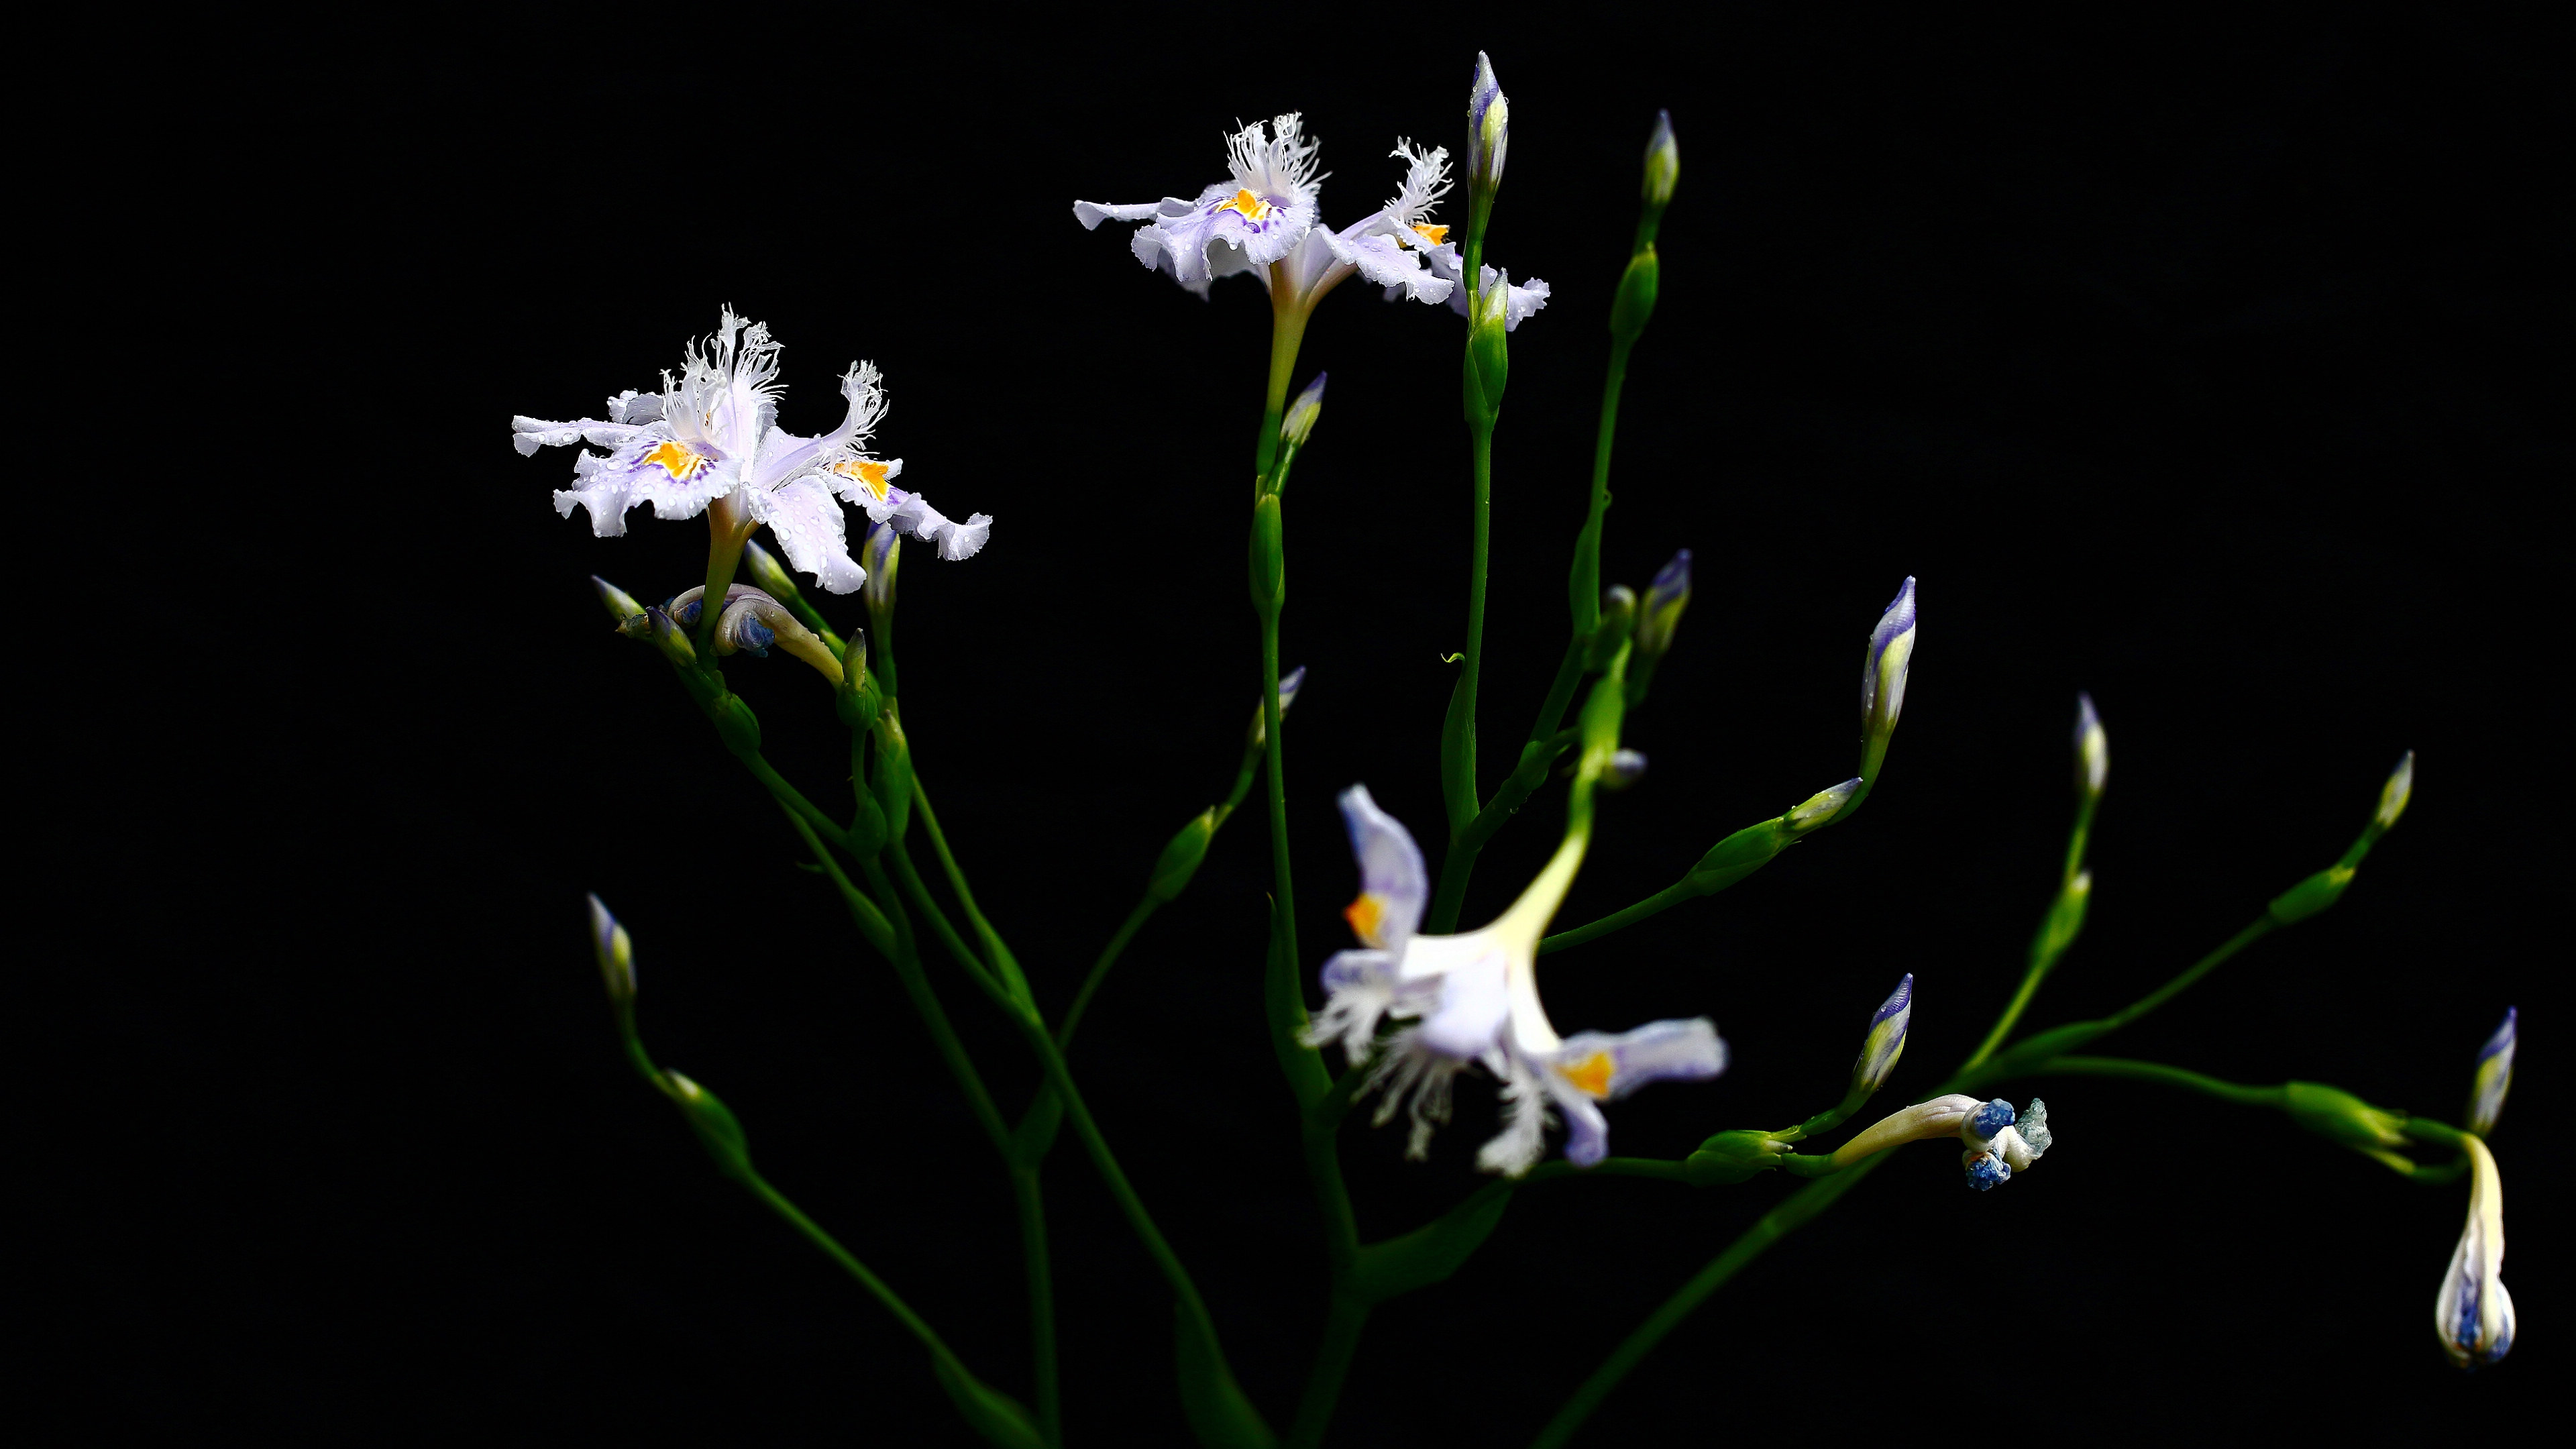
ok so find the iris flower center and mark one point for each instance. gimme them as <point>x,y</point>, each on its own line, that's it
<point>1252,207</point>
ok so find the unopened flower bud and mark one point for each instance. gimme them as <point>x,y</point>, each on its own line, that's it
<point>1820,808</point>
<point>766,571</point>
<point>1739,855</point>
<point>2394,795</point>
<point>1732,1157</point>
<point>621,605</point>
<point>2310,896</point>
<point>1633,305</point>
<point>1661,611</point>
<point>1882,681</point>
<point>880,553</point>
<point>2339,1116</point>
<point>1180,858</point>
<point>1298,423</point>
<point>671,638</point>
<point>1663,162</point>
<point>1489,129</point>
<point>1289,684</point>
<point>2494,1077</point>
<point>714,1124</point>
<point>2092,750</point>
<point>1610,634</point>
<point>1886,1039</point>
<point>616,953</point>
<point>2473,1313</point>
<point>1627,767</point>
<point>753,621</point>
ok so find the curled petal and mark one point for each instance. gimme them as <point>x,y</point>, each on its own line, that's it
<point>1608,1067</point>
<point>1394,885</point>
<point>811,530</point>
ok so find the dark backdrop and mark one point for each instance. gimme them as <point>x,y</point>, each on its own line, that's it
<point>2197,366</point>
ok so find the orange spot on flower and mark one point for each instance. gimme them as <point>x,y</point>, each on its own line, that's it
<point>1590,1076</point>
<point>1364,915</point>
<point>1252,207</point>
<point>868,471</point>
<point>1434,235</point>
<point>678,459</point>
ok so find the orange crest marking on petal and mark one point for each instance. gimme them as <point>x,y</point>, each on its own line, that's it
<point>1434,235</point>
<point>1252,207</point>
<point>1364,915</point>
<point>1590,1076</point>
<point>678,459</point>
<point>867,471</point>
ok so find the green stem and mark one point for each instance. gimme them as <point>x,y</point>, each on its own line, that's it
<point>875,1286</point>
<point>2159,1073</point>
<point>1004,963</point>
<point>1514,792</point>
<point>1344,1316</point>
<point>1100,971</point>
<point>2262,926</point>
<point>1774,1225</point>
<point>1662,900</point>
<point>2042,958</point>
<point>1458,732</point>
<point>925,1001</point>
<point>1041,1275</point>
<point>1287,333</point>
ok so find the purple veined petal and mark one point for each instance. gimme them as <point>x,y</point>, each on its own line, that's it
<point>1394,885</point>
<point>1607,1066</point>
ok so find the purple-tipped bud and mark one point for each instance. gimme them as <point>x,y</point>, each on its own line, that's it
<point>1298,423</point>
<point>1289,684</point>
<point>2394,795</point>
<point>1886,1039</point>
<point>880,553</point>
<point>2494,1077</point>
<point>766,571</point>
<point>1820,808</point>
<point>616,953</point>
<point>1661,612</point>
<point>2092,750</point>
<point>1489,128</point>
<point>671,637</point>
<point>620,604</point>
<point>1663,161</point>
<point>1882,680</point>
<point>1627,767</point>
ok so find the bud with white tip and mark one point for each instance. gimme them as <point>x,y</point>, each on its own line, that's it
<point>1882,680</point>
<point>1820,808</point>
<point>2092,750</point>
<point>2394,795</point>
<point>620,604</point>
<point>1663,162</point>
<point>616,953</point>
<point>1298,423</point>
<point>2494,1077</point>
<point>1627,767</point>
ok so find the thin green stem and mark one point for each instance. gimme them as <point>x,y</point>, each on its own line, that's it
<point>2162,1075</point>
<point>919,890</point>
<point>925,1001</point>
<point>1513,793</point>
<point>1100,970</point>
<point>1774,1225</point>
<point>2044,951</point>
<point>832,1248</point>
<point>1345,1315</point>
<point>1458,732</point>
<point>1026,1196</point>
<point>1662,900</point>
<point>1004,963</point>
<point>2261,927</point>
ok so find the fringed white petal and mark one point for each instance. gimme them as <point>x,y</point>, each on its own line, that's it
<point>811,530</point>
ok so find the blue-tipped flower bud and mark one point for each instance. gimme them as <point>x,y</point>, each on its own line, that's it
<point>752,621</point>
<point>621,606</point>
<point>1882,680</point>
<point>1885,1041</point>
<point>1663,162</point>
<point>671,638</point>
<point>1298,423</point>
<point>1661,612</point>
<point>2394,795</point>
<point>2494,1077</point>
<point>616,953</point>
<point>1489,129</point>
<point>1627,767</point>
<point>1819,808</point>
<point>880,553</point>
<point>766,571</point>
<point>2473,1313</point>
<point>2092,750</point>
<point>1289,684</point>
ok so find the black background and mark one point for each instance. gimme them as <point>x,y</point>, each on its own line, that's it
<point>2197,365</point>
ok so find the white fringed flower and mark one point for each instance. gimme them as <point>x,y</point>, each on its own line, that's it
<point>1472,999</point>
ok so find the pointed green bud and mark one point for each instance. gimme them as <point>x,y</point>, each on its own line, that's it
<point>2494,1077</point>
<point>2065,920</point>
<point>735,723</point>
<point>2339,1116</point>
<point>1883,676</point>
<point>1818,810</point>
<point>1610,634</point>
<point>881,553</point>
<point>2394,795</point>
<point>1733,1157</point>
<point>1269,568</point>
<point>715,1126</point>
<point>671,639</point>
<point>1489,130</point>
<point>621,607</point>
<point>1660,613</point>
<point>1289,683</point>
<point>1634,304</point>
<point>616,953</point>
<point>858,699</point>
<point>1886,1040</point>
<point>2092,750</point>
<point>1489,352</point>
<point>767,574</point>
<point>1298,423</point>
<point>2308,897</point>
<point>1180,859</point>
<point>1737,856</point>
<point>1663,162</point>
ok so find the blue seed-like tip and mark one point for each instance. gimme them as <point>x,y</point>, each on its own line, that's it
<point>1986,1171</point>
<point>2033,1127</point>
<point>2502,1041</point>
<point>1897,1001</point>
<point>1991,1118</point>
<point>1673,578</point>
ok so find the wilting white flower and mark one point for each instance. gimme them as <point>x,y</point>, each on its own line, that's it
<point>2473,1313</point>
<point>709,442</point>
<point>1998,1142</point>
<point>1472,999</point>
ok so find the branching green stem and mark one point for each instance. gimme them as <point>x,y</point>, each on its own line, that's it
<point>1100,971</point>
<point>1662,900</point>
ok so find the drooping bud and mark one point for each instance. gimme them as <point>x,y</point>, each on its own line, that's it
<point>1885,1041</point>
<point>2092,750</point>
<point>1289,684</point>
<point>621,605</point>
<point>880,552</point>
<point>1489,130</point>
<point>616,953</point>
<point>2394,795</point>
<point>1882,681</point>
<point>1663,162</point>
<point>767,572</point>
<point>1610,634</point>
<point>2494,1077</point>
<point>1298,423</point>
<point>1661,611</point>
<point>1820,808</point>
<point>2473,1313</point>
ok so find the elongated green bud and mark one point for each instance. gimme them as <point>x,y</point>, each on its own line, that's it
<point>1634,305</point>
<point>620,604</point>
<point>1733,1157</point>
<point>767,573</point>
<point>616,953</point>
<point>1663,163</point>
<point>1886,1040</point>
<point>1489,353</point>
<point>1738,855</point>
<point>735,723</point>
<point>1180,858</point>
<point>2065,919</point>
<point>1489,131</point>
<point>1610,632</point>
<point>2339,1116</point>
<point>1269,567</point>
<point>671,639</point>
<point>714,1124</point>
<point>1660,614</point>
